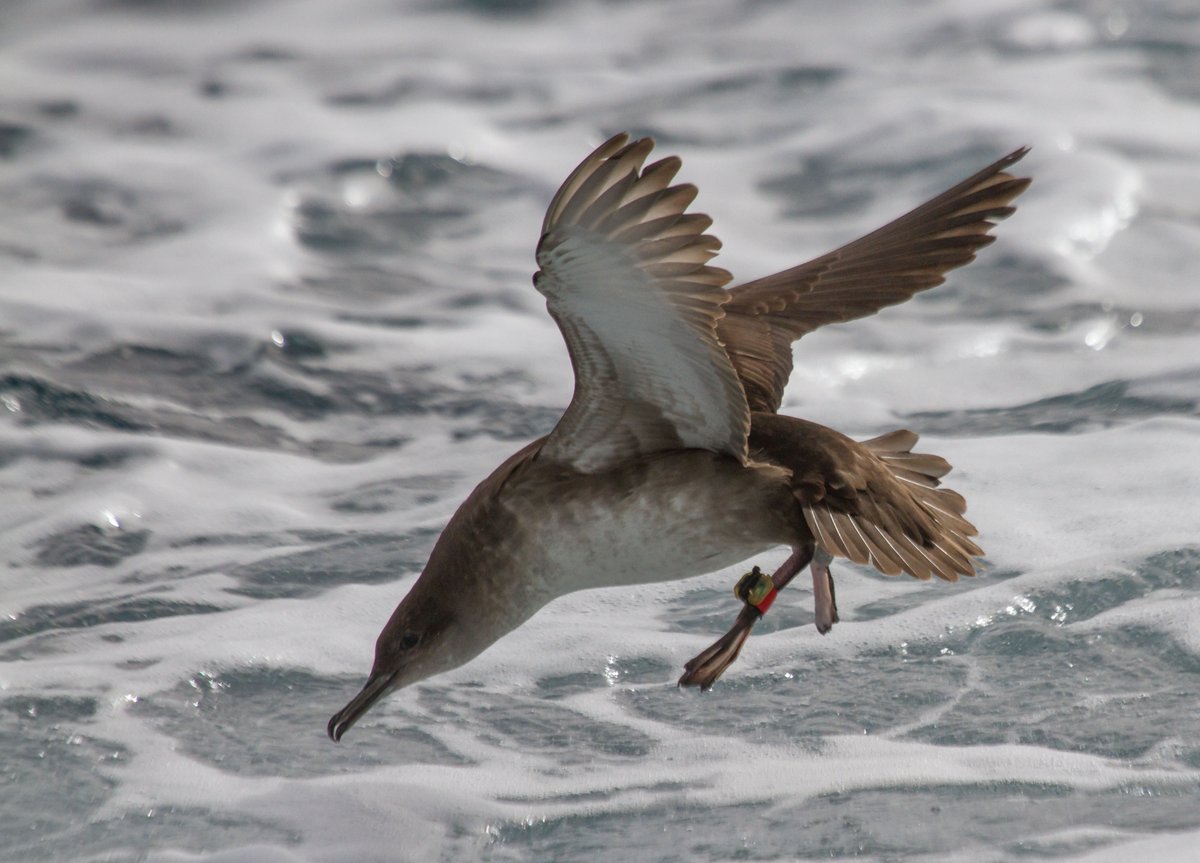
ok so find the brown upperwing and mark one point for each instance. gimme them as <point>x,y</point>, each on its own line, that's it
<point>887,266</point>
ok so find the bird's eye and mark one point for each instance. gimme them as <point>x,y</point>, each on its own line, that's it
<point>409,641</point>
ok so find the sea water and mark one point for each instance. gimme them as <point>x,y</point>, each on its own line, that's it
<point>265,319</point>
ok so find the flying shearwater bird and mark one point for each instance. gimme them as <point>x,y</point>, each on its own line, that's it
<point>671,459</point>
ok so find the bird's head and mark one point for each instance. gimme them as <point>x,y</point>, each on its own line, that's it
<point>417,642</point>
<point>473,591</point>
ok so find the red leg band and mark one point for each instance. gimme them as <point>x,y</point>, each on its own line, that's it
<point>766,601</point>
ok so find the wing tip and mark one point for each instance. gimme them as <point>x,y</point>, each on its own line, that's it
<point>1015,156</point>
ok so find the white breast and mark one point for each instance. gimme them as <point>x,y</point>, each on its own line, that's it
<point>669,524</point>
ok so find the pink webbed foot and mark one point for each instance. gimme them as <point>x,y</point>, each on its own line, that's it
<point>824,599</point>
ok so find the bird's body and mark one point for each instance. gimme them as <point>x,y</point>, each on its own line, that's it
<point>566,531</point>
<point>671,460</point>
<point>606,529</point>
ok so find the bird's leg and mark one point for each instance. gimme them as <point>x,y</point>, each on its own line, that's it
<point>823,595</point>
<point>758,592</point>
<point>706,667</point>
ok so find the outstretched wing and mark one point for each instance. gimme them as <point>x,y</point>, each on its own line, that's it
<point>625,273</point>
<point>887,266</point>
